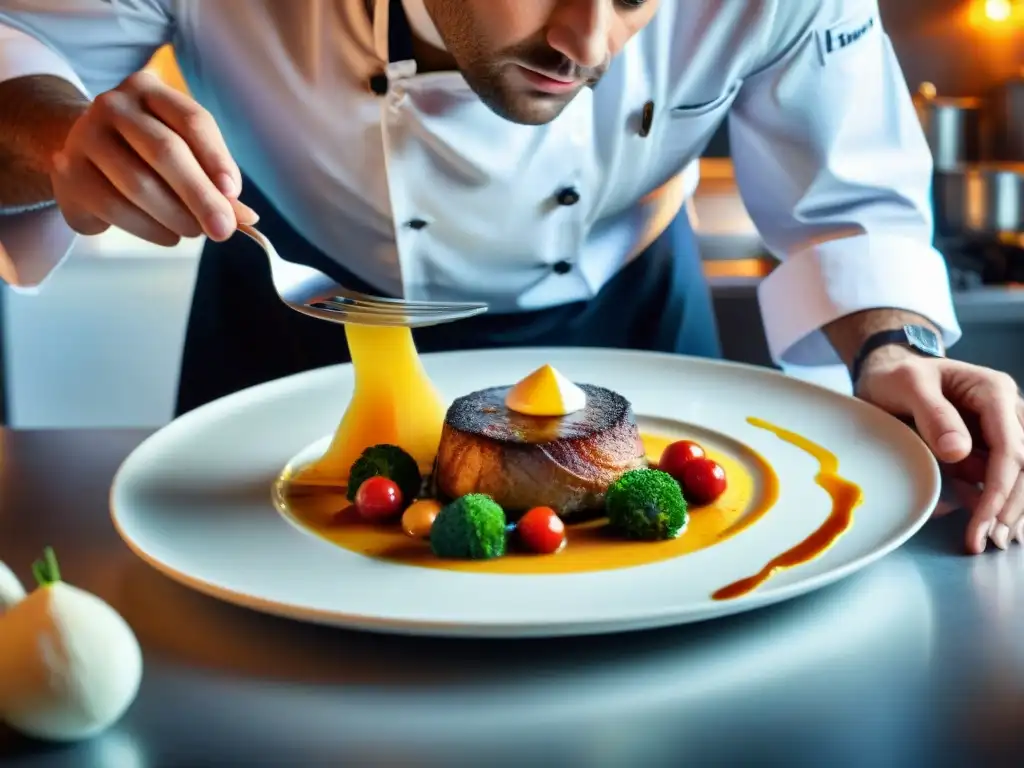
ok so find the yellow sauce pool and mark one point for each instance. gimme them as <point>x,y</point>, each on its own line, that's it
<point>752,490</point>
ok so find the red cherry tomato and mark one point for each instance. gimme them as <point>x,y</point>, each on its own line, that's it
<point>541,531</point>
<point>378,498</point>
<point>677,456</point>
<point>703,481</point>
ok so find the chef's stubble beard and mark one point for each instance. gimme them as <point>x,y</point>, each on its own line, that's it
<point>489,80</point>
<point>486,72</point>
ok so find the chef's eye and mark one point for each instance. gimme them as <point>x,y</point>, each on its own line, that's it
<point>632,4</point>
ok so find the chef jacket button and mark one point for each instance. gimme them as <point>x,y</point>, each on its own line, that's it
<point>379,84</point>
<point>568,196</point>
<point>416,224</point>
<point>562,268</point>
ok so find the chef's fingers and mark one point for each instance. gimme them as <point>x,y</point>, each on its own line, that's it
<point>1018,530</point>
<point>970,470</point>
<point>170,156</point>
<point>967,494</point>
<point>937,420</point>
<point>140,185</point>
<point>64,194</point>
<point>1005,438</point>
<point>244,213</point>
<point>1005,529</point>
<point>187,118</point>
<point>957,495</point>
<point>95,203</point>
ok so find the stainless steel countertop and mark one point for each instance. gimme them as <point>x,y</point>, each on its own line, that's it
<point>917,661</point>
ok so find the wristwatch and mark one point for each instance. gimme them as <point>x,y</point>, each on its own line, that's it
<point>917,338</point>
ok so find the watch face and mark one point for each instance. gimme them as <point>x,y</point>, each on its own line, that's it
<point>924,340</point>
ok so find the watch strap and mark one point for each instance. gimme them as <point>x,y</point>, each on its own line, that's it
<point>911,337</point>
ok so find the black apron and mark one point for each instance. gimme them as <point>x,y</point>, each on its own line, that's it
<point>240,333</point>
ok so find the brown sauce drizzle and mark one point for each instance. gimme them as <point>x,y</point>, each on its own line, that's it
<point>845,497</point>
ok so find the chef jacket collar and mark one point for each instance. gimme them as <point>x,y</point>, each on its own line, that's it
<point>421,23</point>
<point>391,32</point>
<point>394,22</point>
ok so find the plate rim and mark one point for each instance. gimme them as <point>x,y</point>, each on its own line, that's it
<point>501,629</point>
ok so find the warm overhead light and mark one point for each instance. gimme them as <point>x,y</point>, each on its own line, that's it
<point>998,10</point>
<point>995,14</point>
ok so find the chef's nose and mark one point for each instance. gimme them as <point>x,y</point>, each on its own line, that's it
<point>580,29</point>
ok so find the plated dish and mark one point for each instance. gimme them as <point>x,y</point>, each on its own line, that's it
<point>544,466</point>
<point>246,499</point>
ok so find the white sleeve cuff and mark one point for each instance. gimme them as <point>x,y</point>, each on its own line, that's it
<point>32,246</point>
<point>833,279</point>
<point>22,55</point>
<point>34,243</point>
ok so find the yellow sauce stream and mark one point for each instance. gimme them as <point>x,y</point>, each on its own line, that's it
<point>845,497</point>
<point>393,401</point>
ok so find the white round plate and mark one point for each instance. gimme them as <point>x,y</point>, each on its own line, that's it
<point>195,502</point>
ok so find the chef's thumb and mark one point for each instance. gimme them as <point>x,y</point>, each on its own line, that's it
<point>243,213</point>
<point>938,421</point>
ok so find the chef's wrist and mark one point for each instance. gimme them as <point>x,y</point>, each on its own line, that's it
<point>48,108</point>
<point>31,133</point>
<point>880,363</point>
<point>849,334</point>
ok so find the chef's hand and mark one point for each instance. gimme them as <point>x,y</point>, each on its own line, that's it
<point>150,160</point>
<point>973,420</point>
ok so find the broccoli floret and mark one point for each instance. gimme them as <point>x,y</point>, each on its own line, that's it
<point>470,528</point>
<point>391,462</point>
<point>646,504</point>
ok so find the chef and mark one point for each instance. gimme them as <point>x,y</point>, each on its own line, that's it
<point>535,154</point>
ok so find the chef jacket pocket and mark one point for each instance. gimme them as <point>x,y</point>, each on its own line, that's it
<point>680,134</point>
<point>683,136</point>
<point>685,111</point>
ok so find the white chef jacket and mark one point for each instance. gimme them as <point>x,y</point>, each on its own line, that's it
<point>829,155</point>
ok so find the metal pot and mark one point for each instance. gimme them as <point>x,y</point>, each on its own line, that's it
<point>956,128</point>
<point>983,200</point>
<point>1008,119</point>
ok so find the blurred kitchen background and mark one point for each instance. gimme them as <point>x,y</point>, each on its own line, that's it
<point>101,344</point>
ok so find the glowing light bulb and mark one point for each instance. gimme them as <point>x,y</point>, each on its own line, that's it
<point>998,10</point>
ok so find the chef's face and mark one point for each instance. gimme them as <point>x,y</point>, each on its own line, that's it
<point>527,59</point>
